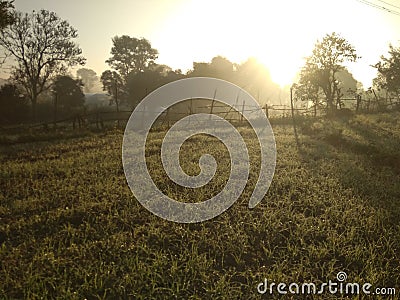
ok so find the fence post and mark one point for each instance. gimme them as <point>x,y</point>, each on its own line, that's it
<point>241,116</point>
<point>376,98</point>
<point>293,119</point>
<point>212,103</point>
<point>358,97</point>
<point>266,110</point>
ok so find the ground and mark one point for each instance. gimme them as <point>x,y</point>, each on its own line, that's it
<point>70,227</point>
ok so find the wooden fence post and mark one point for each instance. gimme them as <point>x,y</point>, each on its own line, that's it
<point>212,103</point>
<point>266,110</point>
<point>241,116</point>
<point>376,98</point>
<point>293,119</point>
<point>358,97</point>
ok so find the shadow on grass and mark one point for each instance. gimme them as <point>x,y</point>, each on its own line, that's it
<point>366,159</point>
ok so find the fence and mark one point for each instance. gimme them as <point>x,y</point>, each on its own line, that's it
<point>170,115</point>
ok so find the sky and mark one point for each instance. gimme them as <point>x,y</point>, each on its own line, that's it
<point>280,34</point>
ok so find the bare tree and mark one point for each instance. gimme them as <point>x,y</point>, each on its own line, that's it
<point>42,47</point>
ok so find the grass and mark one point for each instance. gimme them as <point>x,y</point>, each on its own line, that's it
<point>71,229</point>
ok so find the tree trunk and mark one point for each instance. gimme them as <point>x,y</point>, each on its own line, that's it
<point>117,103</point>
<point>34,109</point>
<point>55,109</point>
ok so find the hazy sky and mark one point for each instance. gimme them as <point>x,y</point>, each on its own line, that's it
<point>279,33</point>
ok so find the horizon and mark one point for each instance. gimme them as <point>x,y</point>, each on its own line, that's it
<point>281,50</point>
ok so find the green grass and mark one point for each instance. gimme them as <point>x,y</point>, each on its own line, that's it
<point>71,229</point>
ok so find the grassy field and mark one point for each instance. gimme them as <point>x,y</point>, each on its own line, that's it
<point>71,229</point>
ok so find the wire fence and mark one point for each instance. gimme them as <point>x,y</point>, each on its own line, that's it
<point>103,119</point>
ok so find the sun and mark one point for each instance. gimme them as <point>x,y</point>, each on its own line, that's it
<point>279,34</point>
<point>283,72</point>
<point>238,30</point>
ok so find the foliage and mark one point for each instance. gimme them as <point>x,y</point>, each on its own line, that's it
<point>68,92</point>
<point>139,85</point>
<point>256,79</point>
<point>389,71</point>
<point>42,46</point>
<point>131,55</point>
<point>89,79</point>
<point>219,67</point>
<point>322,67</point>
<point>250,75</point>
<point>347,84</point>
<point>114,85</point>
<point>14,106</point>
<point>6,15</point>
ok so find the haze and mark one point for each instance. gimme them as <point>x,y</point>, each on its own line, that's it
<point>278,33</point>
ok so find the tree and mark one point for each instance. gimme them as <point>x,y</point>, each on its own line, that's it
<point>250,75</point>
<point>114,86</point>
<point>219,67</point>
<point>130,54</point>
<point>68,92</point>
<point>322,67</point>
<point>389,71</point>
<point>42,47</point>
<point>256,79</point>
<point>14,106</point>
<point>6,19</point>
<point>6,15</point>
<point>139,85</point>
<point>88,77</point>
<point>308,92</point>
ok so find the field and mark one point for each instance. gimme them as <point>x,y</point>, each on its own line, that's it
<point>70,227</point>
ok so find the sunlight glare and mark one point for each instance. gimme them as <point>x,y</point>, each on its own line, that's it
<point>280,34</point>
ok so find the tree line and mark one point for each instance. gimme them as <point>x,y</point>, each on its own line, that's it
<point>43,48</point>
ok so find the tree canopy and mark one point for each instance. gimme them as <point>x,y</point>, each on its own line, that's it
<point>389,71</point>
<point>322,67</point>
<point>219,67</point>
<point>14,106</point>
<point>130,54</point>
<point>6,14</point>
<point>68,92</point>
<point>139,85</point>
<point>42,46</point>
<point>89,79</point>
<point>114,86</point>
